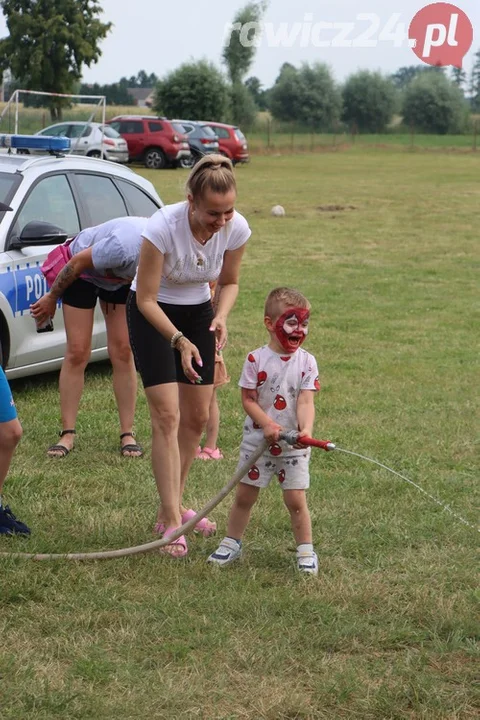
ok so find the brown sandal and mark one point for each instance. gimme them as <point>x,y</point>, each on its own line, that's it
<point>60,451</point>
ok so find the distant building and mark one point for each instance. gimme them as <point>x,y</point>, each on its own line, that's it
<point>141,97</point>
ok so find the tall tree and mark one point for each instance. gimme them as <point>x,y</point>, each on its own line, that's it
<point>434,104</point>
<point>458,76</point>
<point>195,90</point>
<point>242,40</point>
<point>308,96</point>
<point>49,42</point>
<point>475,83</point>
<point>369,101</point>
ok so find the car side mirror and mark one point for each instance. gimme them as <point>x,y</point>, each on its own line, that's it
<point>39,232</point>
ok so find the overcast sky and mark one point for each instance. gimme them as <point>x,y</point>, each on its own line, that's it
<point>158,36</point>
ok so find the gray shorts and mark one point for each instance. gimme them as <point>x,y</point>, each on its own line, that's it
<point>292,471</point>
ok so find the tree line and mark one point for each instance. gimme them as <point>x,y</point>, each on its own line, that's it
<point>50,43</point>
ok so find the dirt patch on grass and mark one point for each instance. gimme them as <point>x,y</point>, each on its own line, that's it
<point>335,208</point>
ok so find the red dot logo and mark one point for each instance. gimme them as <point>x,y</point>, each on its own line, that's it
<point>261,377</point>
<point>251,358</point>
<point>275,449</point>
<point>279,403</point>
<point>441,34</point>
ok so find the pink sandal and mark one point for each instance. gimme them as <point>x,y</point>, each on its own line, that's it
<point>177,548</point>
<point>204,526</point>
<point>210,454</point>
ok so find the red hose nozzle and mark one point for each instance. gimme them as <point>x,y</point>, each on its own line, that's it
<point>291,437</point>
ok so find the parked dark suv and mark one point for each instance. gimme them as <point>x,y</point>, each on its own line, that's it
<point>201,138</point>
<point>155,141</point>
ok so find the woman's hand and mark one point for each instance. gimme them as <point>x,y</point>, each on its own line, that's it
<point>44,308</point>
<point>219,327</point>
<point>189,354</point>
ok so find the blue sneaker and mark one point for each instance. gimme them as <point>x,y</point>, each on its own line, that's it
<point>228,551</point>
<point>9,525</point>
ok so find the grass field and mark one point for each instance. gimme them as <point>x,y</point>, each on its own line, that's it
<point>386,248</point>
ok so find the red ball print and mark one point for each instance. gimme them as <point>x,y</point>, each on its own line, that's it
<point>261,378</point>
<point>254,473</point>
<point>317,384</point>
<point>251,358</point>
<point>256,427</point>
<point>279,403</point>
<point>281,476</point>
<point>275,449</point>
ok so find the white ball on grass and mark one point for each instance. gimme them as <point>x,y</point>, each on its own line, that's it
<point>277,211</point>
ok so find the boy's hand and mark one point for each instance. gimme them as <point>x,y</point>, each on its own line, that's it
<point>302,433</point>
<point>272,432</point>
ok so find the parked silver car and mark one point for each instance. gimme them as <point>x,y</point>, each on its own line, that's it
<point>91,139</point>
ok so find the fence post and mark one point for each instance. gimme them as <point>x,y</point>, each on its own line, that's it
<point>475,134</point>
<point>268,133</point>
<point>292,139</point>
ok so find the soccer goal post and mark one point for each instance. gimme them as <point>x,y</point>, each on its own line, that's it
<point>99,101</point>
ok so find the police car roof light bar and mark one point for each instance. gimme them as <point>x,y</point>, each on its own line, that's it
<point>35,142</point>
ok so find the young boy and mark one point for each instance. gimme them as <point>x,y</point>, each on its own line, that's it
<point>10,434</point>
<point>278,383</point>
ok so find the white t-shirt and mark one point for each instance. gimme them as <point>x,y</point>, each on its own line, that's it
<point>278,380</point>
<point>115,250</point>
<point>188,266</point>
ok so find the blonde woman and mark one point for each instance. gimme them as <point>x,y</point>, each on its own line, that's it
<point>175,329</point>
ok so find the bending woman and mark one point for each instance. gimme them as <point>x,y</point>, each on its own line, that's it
<point>174,329</point>
<point>103,263</point>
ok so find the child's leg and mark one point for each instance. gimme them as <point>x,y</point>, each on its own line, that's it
<point>213,423</point>
<point>230,549</point>
<point>296,502</point>
<point>245,498</point>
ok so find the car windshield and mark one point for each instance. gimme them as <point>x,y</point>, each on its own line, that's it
<point>8,186</point>
<point>178,128</point>
<point>207,130</point>
<point>239,134</point>
<point>109,131</point>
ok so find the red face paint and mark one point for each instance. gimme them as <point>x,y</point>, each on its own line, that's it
<point>291,328</point>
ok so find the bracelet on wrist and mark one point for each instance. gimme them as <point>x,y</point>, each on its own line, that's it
<point>175,338</point>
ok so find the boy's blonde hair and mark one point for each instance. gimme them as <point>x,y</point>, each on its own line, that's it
<point>213,172</point>
<point>283,297</point>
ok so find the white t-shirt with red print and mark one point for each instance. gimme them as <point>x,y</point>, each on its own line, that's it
<point>278,380</point>
<point>189,266</point>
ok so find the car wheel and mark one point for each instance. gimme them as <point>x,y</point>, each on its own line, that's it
<point>94,154</point>
<point>187,163</point>
<point>155,159</point>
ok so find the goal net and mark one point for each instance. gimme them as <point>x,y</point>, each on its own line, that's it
<point>87,108</point>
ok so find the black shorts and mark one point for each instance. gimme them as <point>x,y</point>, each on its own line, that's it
<point>155,360</point>
<point>83,294</point>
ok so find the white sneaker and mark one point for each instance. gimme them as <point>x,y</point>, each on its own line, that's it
<point>307,562</point>
<point>228,551</point>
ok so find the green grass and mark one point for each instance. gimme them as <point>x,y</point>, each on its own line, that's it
<point>390,627</point>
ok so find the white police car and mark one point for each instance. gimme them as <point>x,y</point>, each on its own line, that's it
<point>52,197</point>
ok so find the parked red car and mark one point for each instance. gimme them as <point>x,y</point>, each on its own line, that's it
<point>155,141</point>
<point>232,141</point>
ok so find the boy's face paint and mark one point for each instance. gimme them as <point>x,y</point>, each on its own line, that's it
<point>291,328</point>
